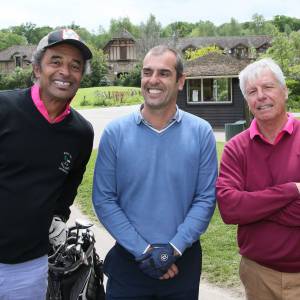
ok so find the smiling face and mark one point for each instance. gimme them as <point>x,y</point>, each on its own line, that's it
<point>59,73</point>
<point>159,84</point>
<point>266,97</point>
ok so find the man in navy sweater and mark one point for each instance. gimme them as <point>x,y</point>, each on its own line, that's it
<point>45,146</point>
<point>154,189</point>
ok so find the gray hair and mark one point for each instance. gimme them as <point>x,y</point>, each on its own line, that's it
<point>39,54</point>
<point>161,49</point>
<point>255,69</point>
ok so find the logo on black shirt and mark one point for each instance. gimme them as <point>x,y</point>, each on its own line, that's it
<point>65,165</point>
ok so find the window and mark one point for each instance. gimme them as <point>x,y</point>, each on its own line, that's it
<point>240,52</point>
<point>123,53</point>
<point>18,61</point>
<point>209,90</point>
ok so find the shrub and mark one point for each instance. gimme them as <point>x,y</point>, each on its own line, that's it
<point>19,78</point>
<point>84,101</point>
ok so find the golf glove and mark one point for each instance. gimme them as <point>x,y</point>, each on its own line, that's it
<point>57,232</point>
<point>156,262</point>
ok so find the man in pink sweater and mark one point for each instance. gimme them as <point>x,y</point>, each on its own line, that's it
<point>258,187</point>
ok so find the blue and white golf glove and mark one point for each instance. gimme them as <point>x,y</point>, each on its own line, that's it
<point>156,262</point>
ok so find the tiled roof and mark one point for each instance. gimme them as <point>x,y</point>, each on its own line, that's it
<point>123,34</point>
<point>225,42</point>
<point>214,64</point>
<point>24,51</point>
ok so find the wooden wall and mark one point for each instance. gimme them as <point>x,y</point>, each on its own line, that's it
<point>217,114</point>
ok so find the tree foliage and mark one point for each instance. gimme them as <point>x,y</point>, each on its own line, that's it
<point>117,25</point>
<point>133,78</point>
<point>286,52</point>
<point>285,49</point>
<point>191,54</point>
<point>178,29</point>
<point>8,39</point>
<point>204,28</point>
<point>150,34</point>
<point>19,78</point>
<point>31,32</point>
<point>284,22</point>
<point>98,69</point>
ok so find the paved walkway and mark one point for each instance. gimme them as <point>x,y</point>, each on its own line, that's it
<point>100,117</point>
<point>104,242</point>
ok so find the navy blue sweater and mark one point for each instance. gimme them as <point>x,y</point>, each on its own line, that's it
<point>41,166</point>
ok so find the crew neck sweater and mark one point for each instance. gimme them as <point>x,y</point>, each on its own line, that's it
<point>256,189</point>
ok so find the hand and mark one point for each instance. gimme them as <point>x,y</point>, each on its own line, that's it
<point>57,232</point>
<point>172,272</point>
<point>157,260</point>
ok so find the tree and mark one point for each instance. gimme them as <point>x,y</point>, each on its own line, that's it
<point>178,29</point>
<point>259,26</point>
<point>285,50</point>
<point>204,28</point>
<point>150,34</point>
<point>100,38</point>
<point>281,51</point>
<point>98,69</point>
<point>282,22</point>
<point>8,39</point>
<point>234,28</point>
<point>117,26</point>
<point>31,32</point>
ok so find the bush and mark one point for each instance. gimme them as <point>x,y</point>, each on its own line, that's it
<point>132,78</point>
<point>294,94</point>
<point>19,78</point>
<point>84,101</point>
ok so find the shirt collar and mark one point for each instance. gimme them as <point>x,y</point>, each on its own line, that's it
<point>139,117</point>
<point>39,104</point>
<point>288,127</point>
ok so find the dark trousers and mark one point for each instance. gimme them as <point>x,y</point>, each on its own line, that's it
<point>127,282</point>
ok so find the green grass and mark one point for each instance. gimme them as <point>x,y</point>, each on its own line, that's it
<point>106,96</point>
<point>220,252</point>
<point>84,196</point>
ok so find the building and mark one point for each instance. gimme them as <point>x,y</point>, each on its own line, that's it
<point>212,88</point>
<point>16,56</point>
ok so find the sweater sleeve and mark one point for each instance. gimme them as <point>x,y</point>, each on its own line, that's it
<point>239,206</point>
<point>289,215</point>
<point>105,198</point>
<point>203,205</point>
<point>74,178</point>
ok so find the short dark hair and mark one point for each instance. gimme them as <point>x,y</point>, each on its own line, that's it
<point>161,49</point>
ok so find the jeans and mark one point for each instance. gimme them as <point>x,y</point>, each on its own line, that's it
<point>24,281</point>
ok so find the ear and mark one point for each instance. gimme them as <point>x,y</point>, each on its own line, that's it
<point>181,81</point>
<point>37,71</point>
<point>286,93</point>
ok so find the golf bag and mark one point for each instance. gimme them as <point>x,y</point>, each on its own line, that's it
<point>75,270</point>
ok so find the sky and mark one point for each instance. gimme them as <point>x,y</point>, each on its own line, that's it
<point>91,14</point>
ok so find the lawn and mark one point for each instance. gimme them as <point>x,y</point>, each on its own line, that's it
<point>220,253</point>
<point>106,96</point>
